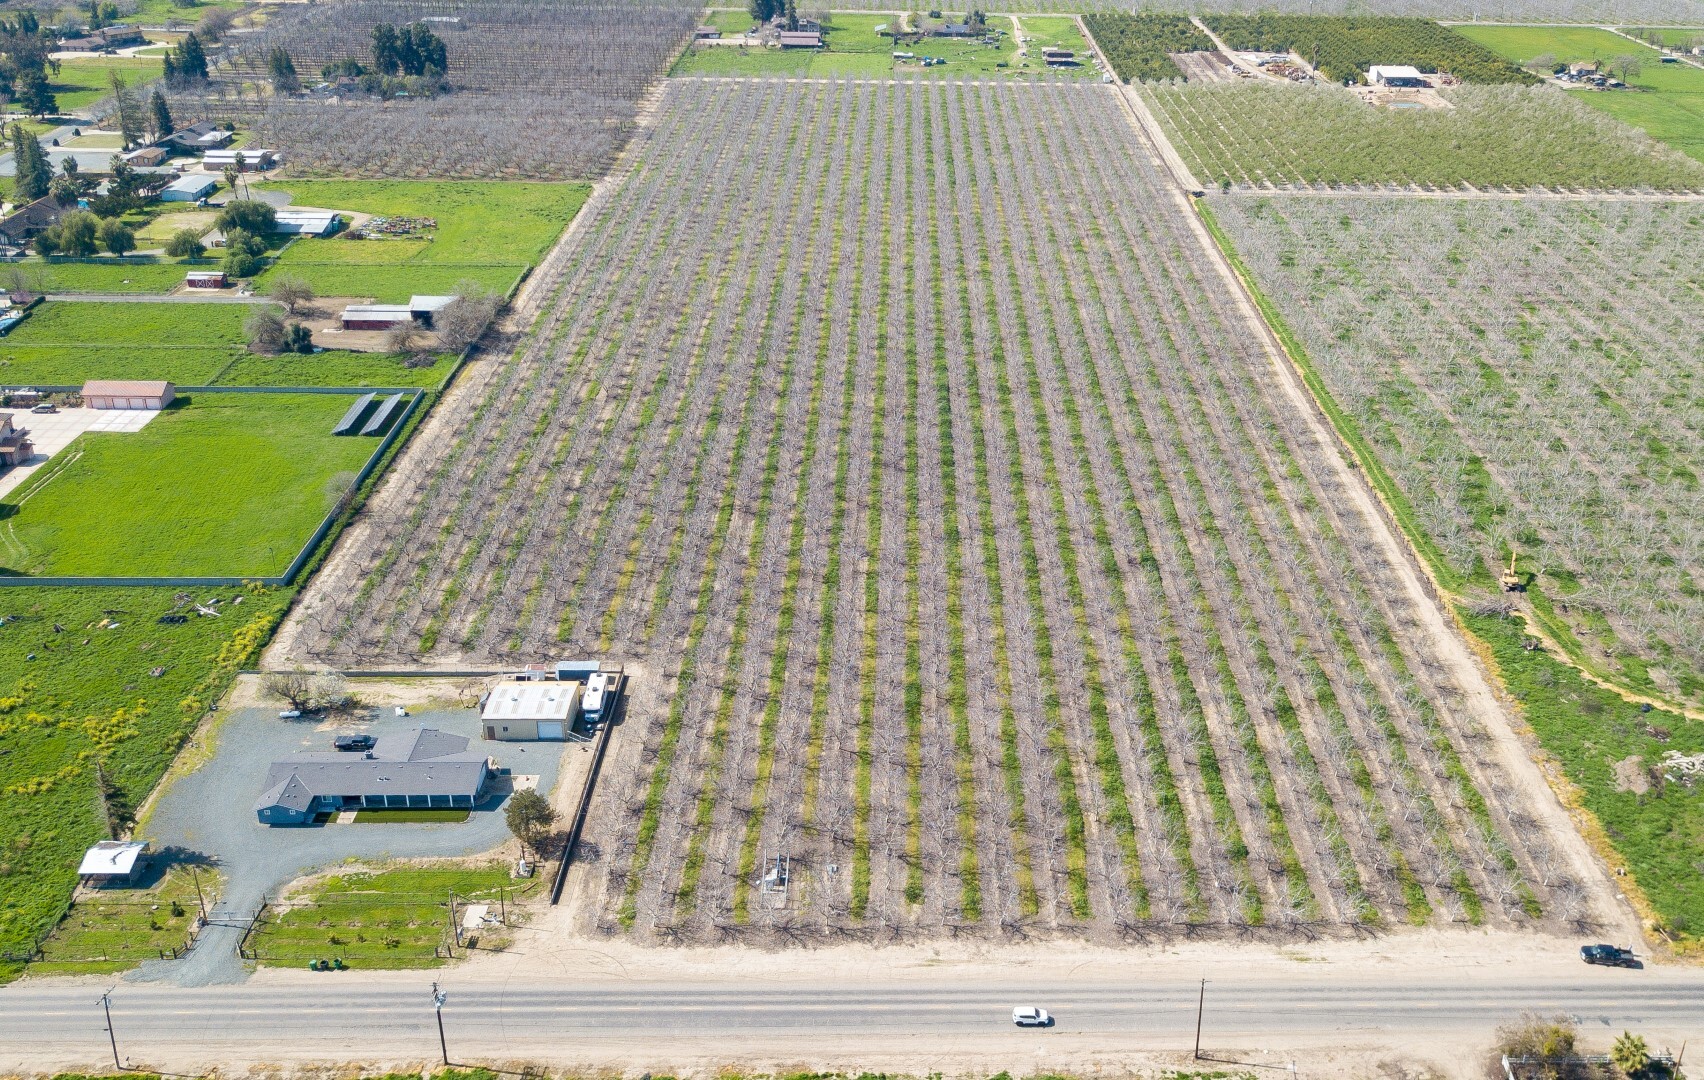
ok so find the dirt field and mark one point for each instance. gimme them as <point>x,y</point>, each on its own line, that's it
<point>988,569</point>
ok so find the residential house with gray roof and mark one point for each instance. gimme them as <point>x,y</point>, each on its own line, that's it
<point>413,769</point>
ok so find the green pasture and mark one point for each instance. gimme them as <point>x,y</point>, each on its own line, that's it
<point>81,83</point>
<point>63,343</point>
<point>334,367</point>
<point>736,21</point>
<point>394,282</point>
<point>91,680</point>
<point>1673,37</point>
<point>853,48</point>
<point>72,365</point>
<point>104,276</point>
<point>1658,831</point>
<point>1057,31</point>
<point>116,929</point>
<point>1666,101</point>
<point>489,232</point>
<point>218,484</point>
<point>386,919</point>
<point>71,322</point>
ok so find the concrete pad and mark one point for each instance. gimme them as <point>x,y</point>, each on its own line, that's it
<point>53,432</point>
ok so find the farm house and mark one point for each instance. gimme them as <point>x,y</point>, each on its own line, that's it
<point>518,710</point>
<point>417,769</point>
<point>127,394</point>
<point>15,445</point>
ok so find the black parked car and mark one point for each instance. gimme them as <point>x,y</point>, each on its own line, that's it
<point>1611,955</point>
<point>354,742</point>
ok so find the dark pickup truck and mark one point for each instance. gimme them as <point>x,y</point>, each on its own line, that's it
<point>354,742</point>
<point>1608,954</point>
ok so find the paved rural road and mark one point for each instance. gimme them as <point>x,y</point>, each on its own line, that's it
<point>346,1015</point>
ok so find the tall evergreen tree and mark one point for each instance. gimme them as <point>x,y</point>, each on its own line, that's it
<point>33,94</point>
<point>163,123</point>
<point>188,60</point>
<point>284,77</point>
<point>34,174</point>
<point>386,60</point>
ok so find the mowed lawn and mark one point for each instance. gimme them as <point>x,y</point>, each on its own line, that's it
<point>486,232</point>
<point>106,276</point>
<point>66,343</point>
<point>81,83</point>
<point>1666,100</point>
<point>219,484</point>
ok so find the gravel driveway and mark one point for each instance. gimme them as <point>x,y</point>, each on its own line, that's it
<point>211,812</point>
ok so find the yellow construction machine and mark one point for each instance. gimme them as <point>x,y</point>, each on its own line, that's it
<point>1511,580</point>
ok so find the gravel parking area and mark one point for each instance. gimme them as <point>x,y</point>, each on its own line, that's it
<point>210,812</point>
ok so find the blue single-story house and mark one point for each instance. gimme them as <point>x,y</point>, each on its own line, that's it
<point>413,769</point>
<point>189,189</point>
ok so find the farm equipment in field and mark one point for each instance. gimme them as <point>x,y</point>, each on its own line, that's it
<point>1511,580</point>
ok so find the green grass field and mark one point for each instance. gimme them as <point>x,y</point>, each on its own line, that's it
<point>420,815</point>
<point>1659,831</point>
<point>70,323</point>
<point>736,21</point>
<point>1057,31</point>
<point>1666,100</point>
<point>120,698</point>
<point>490,232</point>
<point>81,83</point>
<point>118,928</point>
<point>854,49</point>
<point>106,276</point>
<point>388,919</point>
<point>334,367</point>
<point>227,484</point>
<point>1672,36</point>
<point>65,343</point>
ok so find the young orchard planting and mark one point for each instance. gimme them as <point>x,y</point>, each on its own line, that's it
<point>1266,135</point>
<point>909,445</point>
<point>544,90</point>
<point>1526,373</point>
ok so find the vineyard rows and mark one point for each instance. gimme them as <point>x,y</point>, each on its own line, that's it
<point>1266,135</point>
<point>542,90</point>
<point>907,443</point>
<point>1521,370</point>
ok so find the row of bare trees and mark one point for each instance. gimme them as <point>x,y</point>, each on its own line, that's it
<point>975,567</point>
<point>1525,401</point>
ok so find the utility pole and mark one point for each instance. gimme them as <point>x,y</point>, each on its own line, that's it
<point>438,997</point>
<point>1200,1003</point>
<point>202,900</point>
<point>106,1007</point>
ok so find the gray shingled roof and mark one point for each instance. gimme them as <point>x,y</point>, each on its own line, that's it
<point>420,762</point>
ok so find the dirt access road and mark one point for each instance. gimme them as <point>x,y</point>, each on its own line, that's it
<point>1416,1005</point>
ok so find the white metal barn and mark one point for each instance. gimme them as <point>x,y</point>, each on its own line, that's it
<point>531,710</point>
